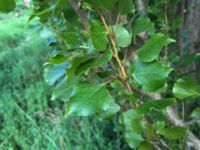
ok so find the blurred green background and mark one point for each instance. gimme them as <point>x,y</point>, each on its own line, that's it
<point>29,120</point>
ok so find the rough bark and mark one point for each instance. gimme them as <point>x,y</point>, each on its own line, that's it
<point>193,23</point>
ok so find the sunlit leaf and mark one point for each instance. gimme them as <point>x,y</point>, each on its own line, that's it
<point>142,25</point>
<point>173,133</point>
<point>123,37</point>
<point>152,47</point>
<point>88,98</point>
<point>151,76</point>
<point>156,104</point>
<point>186,87</point>
<point>98,36</point>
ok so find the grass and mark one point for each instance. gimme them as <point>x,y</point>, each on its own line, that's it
<point>28,119</point>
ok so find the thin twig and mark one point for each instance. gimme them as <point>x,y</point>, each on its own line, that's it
<point>120,63</point>
<point>191,122</point>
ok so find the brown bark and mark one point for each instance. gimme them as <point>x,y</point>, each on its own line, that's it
<point>193,24</point>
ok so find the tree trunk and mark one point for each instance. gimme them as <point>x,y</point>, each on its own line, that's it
<point>193,24</point>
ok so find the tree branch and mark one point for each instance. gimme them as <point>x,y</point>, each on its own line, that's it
<point>120,63</point>
<point>172,116</point>
<point>81,13</point>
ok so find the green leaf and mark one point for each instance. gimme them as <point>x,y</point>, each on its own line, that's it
<point>195,113</point>
<point>174,133</point>
<point>134,127</point>
<point>60,4</point>
<point>94,62</point>
<point>151,76</point>
<point>150,133</point>
<point>113,109</point>
<point>152,47</point>
<point>88,98</point>
<point>125,6</point>
<point>7,5</point>
<point>62,91</point>
<point>104,4</point>
<point>156,104</point>
<point>142,25</point>
<point>98,36</point>
<point>42,15</point>
<point>145,146</point>
<point>75,63</point>
<point>123,37</point>
<point>58,59</point>
<point>53,73</point>
<point>186,87</point>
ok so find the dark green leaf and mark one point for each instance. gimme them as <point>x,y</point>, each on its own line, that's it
<point>43,14</point>
<point>60,4</point>
<point>145,146</point>
<point>94,62</point>
<point>151,76</point>
<point>156,104</point>
<point>186,87</point>
<point>142,25</point>
<point>58,59</point>
<point>88,98</point>
<point>152,47</point>
<point>75,62</point>
<point>151,135</point>
<point>7,5</point>
<point>126,6</point>
<point>98,36</point>
<point>104,4</point>
<point>123,37</point>
<point>173,133</point>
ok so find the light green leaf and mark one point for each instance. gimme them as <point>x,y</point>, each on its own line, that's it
<point>123,37</point>
<point>151,76</point>
<point>53,73</point>
<point>174,133</point>
<point>134,127</point>
<point>156,104</point>
<point>152,47</point>
<point>142,25</point>
<point>98,36</point>
<point>104,4</point>
<point>88,98</point>
<point>133,139</point>
<point>126,6</point>
<point>186,87</point>
<point>7,5</point>
<point>113,109</point>
<point>94,62</point>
